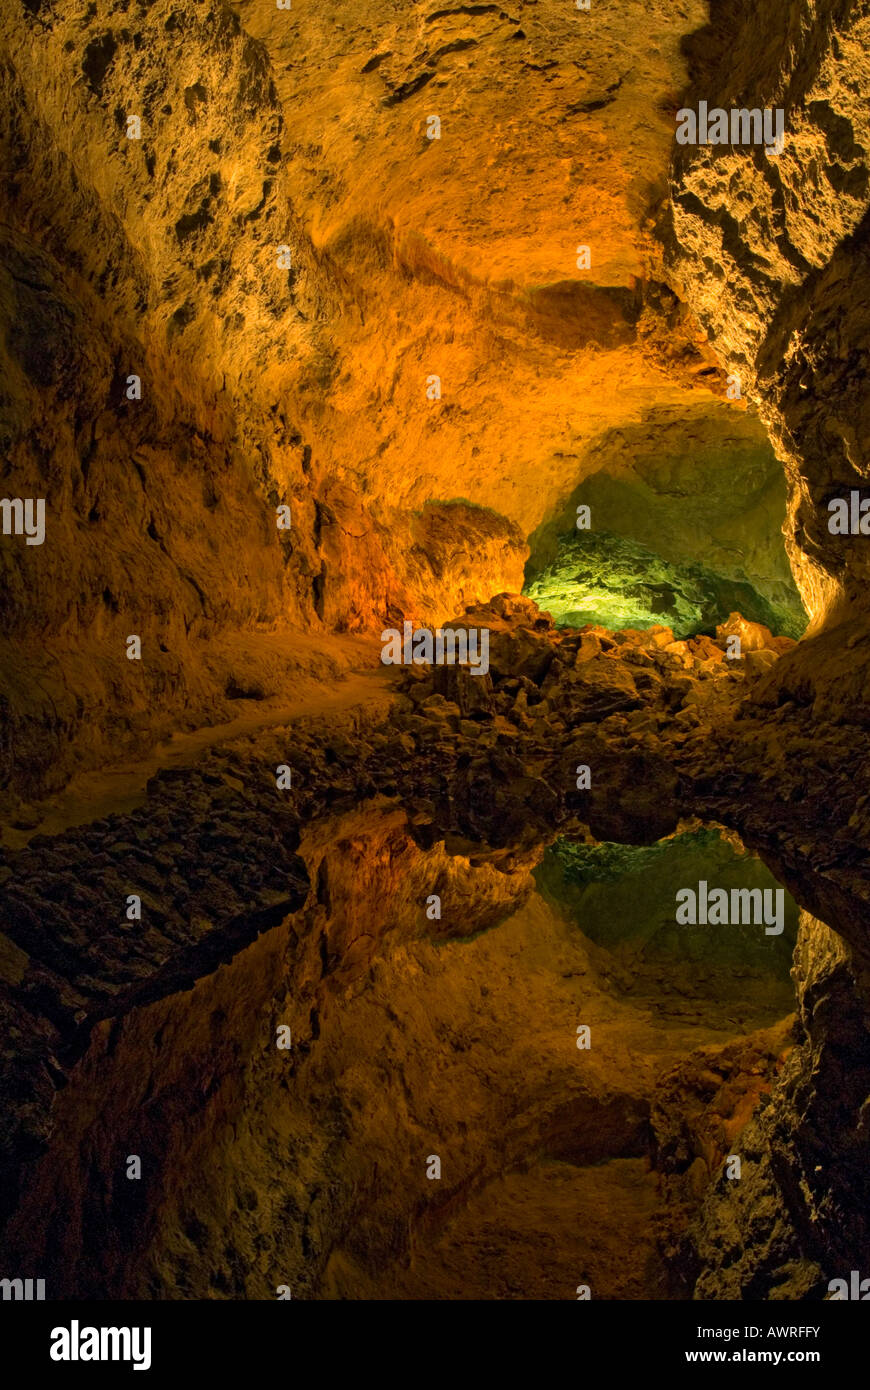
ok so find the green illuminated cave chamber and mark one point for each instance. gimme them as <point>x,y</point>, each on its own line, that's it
<point>683,546</point>
<point>615,582</point>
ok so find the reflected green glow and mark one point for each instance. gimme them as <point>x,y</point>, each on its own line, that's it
<point>624,896</point>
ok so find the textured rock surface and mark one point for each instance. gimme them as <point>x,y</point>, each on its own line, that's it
<point>798,1217</point>
<point>772,253</point>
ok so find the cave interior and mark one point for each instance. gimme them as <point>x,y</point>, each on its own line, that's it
<point>537,974</point>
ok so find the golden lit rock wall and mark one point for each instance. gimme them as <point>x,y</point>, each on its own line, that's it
<point>771,253</point>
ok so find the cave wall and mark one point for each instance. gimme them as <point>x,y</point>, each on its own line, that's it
<point>797,1218</point>
<point>771,253</point>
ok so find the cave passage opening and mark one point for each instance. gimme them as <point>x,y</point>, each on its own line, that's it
<point>674,542</point>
